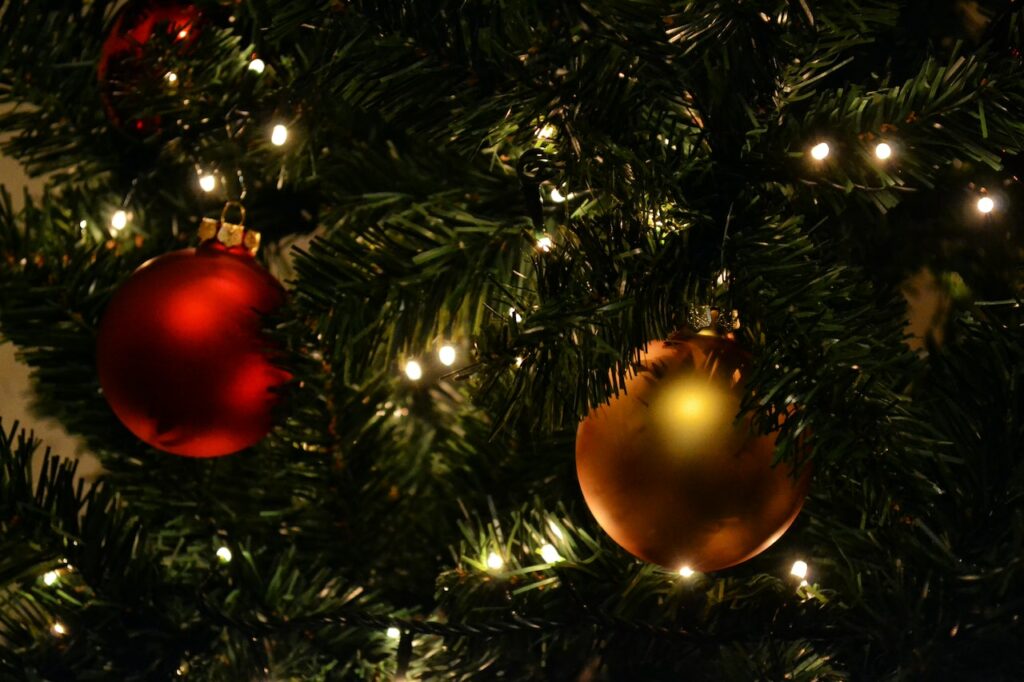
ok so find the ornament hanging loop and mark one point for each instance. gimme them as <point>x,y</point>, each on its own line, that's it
<point>241,212</point>
<point>231,235</point>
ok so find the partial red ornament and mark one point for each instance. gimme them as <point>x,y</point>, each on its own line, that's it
<point>138,58</point>
<point>181,356</point>
<point>672,476</point>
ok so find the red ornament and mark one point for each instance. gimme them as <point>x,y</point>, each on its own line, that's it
<point>138,60</point>
<point>668,472</point>
<point>180,353</point>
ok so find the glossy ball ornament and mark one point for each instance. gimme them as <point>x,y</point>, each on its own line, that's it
<point>671,474</point>
<point>181,356</point>
<point>139,57</point>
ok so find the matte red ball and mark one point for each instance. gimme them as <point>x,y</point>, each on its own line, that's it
<point>181,355</point>
<point>144,42</point>
<point>671,474</point>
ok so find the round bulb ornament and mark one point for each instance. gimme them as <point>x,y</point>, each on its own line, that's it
<point>671,474</point>
<point>181,356</point>
<point>140,59</point>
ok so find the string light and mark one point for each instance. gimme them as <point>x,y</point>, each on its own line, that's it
<point>50,577</point>
<point>494,561</point>
<point>119,220</point>
<point>550,554</point>
<point>820,151</point>
<point>279,135</point>
<point>446,354</point>
<point>545,244</point>
<point>519,361</point>
<point>686,572</point>
<point>207,182</point>
<point>883,151</point>
<point>799,569</point>
<point>257,65</point>
<point>224,554</point>
<point>182,34</point>
<point>557,196</point>
<point>82,224</point>
<point>413,370</point>
<point>58,629</point>
<point>986,205</point>
<point>514,314</point>
<point>547,131</point>
<point>394,633</point>
<point>171,77</point>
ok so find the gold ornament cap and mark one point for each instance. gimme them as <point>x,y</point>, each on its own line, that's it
<point>231,235</point>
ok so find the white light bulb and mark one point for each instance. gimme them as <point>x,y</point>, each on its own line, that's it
<point>547,131</point>
<point>820,151</point>
<point>883,151</point>
<point>514,314</point>
<point>58,629</point>
<point>550,554</point>
<point>394,633</point>
<point>207,182</point>
<point>82,224</point>
<point>545,244</point>
<point>446,354</point>
<point>413,370</point>
<point>182,34</point>
<point>494,561</point>
<point>557,196</point>
<point>986,204</point>
<point>119,220</point>
<point>224,554</point>
<point>279,135</point>
<point>171,77</point>
<point>799,569</point>
<point>519,362</point>
<point>686,572</point>
<point>50,577</point>
<point>257,65</point>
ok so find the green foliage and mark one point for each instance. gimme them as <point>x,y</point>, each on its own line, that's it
<point>662,147</point>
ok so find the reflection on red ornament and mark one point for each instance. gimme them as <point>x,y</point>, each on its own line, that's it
<point>145,40</point>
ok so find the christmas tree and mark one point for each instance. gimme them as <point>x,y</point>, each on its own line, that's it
<point>486,217</point>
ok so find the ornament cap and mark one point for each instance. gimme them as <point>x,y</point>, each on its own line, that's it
<point>234,236</point>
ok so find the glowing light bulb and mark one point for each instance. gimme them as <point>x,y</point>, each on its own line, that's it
<point>519,360</point>
<point>557,196</point>
<point>686,572</point>
<point>514,314</point>
<point>279,135</point>
<point>82,224</point>
<point>986,205</point>
<point>394,633</point>
<point>58,629</point>
<point>171,77</point>
<point>883,151</point>
<point>224,554</point>
<point>207,182</point>
<point>50,577</point>
<point>257,65</point>
<point>799,569</point>
<point>547,131</point>
<point>119,220</point>
<point>494,561</point>
<point>446,354</point>
<point>545,244</point>
<point>820,151</point>
<point>413,370</point>
<point>550,554</point>
<point>182,34</point>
